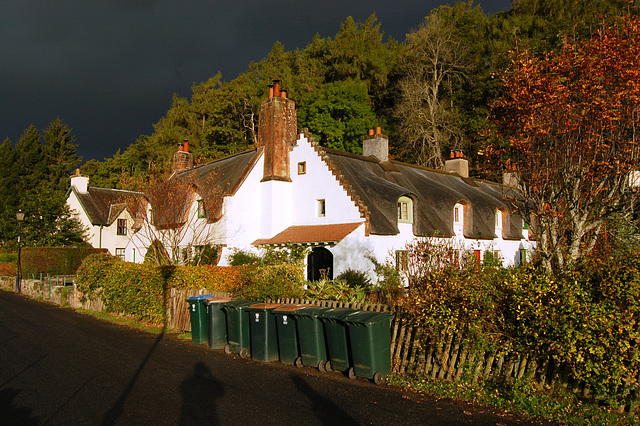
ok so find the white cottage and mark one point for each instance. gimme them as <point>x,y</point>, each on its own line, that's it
<point>104,213</point>
<point>344,207</point>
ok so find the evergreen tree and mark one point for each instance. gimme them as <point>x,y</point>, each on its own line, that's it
<point>60,153</point>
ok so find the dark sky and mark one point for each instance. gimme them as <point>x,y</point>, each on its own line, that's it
<point>109,68</point>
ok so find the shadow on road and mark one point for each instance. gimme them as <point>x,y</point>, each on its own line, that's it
<point>199,394</point>
<point>10,413</point>
<point>326,410</point>
<point>116,411</point>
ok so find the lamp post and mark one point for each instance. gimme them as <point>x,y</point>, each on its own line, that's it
<point>20,217</point>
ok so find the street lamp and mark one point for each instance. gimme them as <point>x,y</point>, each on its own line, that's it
<point>20,217</point>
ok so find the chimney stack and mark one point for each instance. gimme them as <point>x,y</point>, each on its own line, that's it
<point>79,182</point>
<point>456,163</point>
<point>376,145</point>
<point>182,158</point>
<point>277,133</point>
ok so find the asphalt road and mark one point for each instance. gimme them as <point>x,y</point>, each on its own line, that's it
<point>59,367</point>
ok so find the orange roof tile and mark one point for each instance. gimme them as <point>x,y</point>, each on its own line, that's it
<point>310,234</point>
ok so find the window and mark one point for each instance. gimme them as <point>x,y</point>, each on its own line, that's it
<point>402,260</point>
<point>405,210</point>
<point>457,214</point>
<point>322,209</point>
<point>201,212</point>
<point>122,227</point>
<point>120,253</point>
<point>498,219</point>
<point>302,167</point>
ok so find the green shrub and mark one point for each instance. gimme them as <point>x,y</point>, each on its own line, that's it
<point>337,290</point>
<point>355,278</point>
<point>241,257</point>
<point>8,257</point>
<point>270,282</point>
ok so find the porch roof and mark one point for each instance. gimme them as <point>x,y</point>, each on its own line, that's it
<point>310,235</point>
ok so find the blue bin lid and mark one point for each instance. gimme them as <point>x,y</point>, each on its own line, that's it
<point>199,297</point>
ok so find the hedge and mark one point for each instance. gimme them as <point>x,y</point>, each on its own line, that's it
<point>54,260</point>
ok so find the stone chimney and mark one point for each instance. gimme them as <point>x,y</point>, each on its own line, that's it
<point>79,182</point>
<point>456,163</point>
<point>376,145</point>
<point>277,133</point>
<point>182,158</point>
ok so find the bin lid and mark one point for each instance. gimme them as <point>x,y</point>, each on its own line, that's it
<point>238,304</point>
<point>289,307</point>
<point>212,300</point>
<point>337,313</point>
<point>263,306</point>
<point>368,317</point>
<point>199,297</point>
<point>311,311</point>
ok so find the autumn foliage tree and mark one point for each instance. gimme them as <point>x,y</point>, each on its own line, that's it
<point>570,118</point>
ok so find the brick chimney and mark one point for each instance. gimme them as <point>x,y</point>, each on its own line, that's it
<point>277,132</point>
<point>376,145</point>
<point>182,158</point>
<point>456,163</point>
<point>79,182</point>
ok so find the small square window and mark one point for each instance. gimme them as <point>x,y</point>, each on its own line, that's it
<point>122,227</point>
<point>302,167</point>
<point>322,208</point>
<point>120,253</point>
<point>201,212</point>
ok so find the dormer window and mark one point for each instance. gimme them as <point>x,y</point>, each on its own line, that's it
<point>457,214</point>
<point>498,219</point>
<point>121,227</point>
<point>405,210</point>
<point>201,211</point>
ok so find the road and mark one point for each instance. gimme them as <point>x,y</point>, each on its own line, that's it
<point>59,367</point>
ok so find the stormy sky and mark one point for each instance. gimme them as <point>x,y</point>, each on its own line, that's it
<point>109,68</point>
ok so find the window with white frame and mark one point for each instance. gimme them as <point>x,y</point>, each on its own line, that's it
<point>499,219</point>
<point>120,253</point>
<point>405,210</point>
<point>321,208</point>
<point>458,213</point>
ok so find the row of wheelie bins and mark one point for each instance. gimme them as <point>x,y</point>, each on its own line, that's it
<point>330,339</point>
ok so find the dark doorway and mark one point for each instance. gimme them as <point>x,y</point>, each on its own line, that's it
<point>319,264</point>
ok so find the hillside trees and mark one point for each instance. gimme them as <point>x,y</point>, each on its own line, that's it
<point>570,118</point>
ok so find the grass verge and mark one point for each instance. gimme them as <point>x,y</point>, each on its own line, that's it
<point>520,398</point>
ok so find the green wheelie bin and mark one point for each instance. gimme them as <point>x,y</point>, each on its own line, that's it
<point>198,313</point>
<point>288,348</point>
<point>337,340</point>
<point>311,341</point>
<point>264,336</point>
<point>217,330</point>
<point>370,342</point>
<point>238,334</point>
